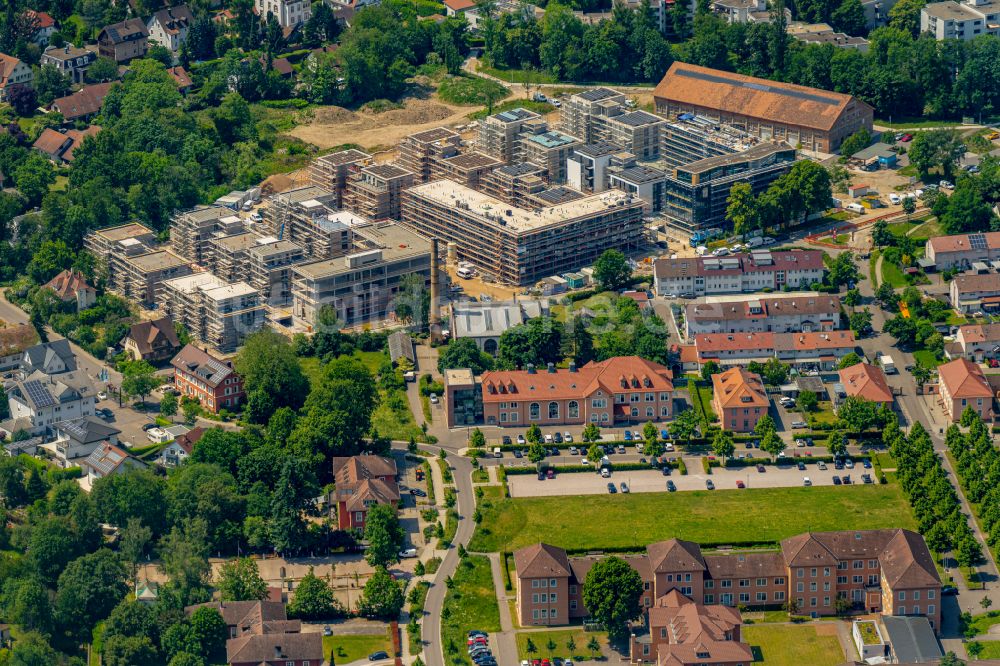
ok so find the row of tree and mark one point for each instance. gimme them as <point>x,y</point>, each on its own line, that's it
<point>977,463</point>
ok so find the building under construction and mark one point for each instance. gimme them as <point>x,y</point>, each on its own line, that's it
<point>218,313</point>
<point>548,150</point>
<point>331,172</point>
<point>227,255</point>
<point>308,216</point>
<point>270,264</point>
<point>518,245</point>
<point>141,276</point>
<point>374,192</point>
<point>421,153</point>
<point>112,245</point>
<point>191,231</point>
<point>361,286</point>
<point>468,169</point>
<point>499,134</point>
<point>583,114</point>
<point>514,184</point>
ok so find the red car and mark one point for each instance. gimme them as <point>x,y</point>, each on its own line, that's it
<point>478,640</point>
<point>551,474</point>
<point>906,137</point>
<point>740,484</point>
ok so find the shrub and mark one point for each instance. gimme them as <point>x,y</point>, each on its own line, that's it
<point>706,464</point>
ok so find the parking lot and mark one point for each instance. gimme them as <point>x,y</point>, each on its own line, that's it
<point>643,481</point>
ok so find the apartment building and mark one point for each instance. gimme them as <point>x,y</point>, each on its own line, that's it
<point>169,27</point>
<point>218,313</point>
<point>888,571</point>
<point>624,389</point>
<point>192,231</point>
<point>638,132</point>
<point>742,11</point>
<point>110,246</point>
<point>468,169</point>
<point>739,399</point>
<point>462,397</point>
<point>806,350</point>
<point>548,150</point>
<point>589,166</point>
<point>308,216</point>
<point>778,313</point>
<point>211,381</point>
<point>867,381</point>
<point>584,114</point>
<point>976,342</point>
<point>375,192</point>
<point>330,172</point>
<point>270,269</point>
<point>499,133</point>
<point>140,277</point>
<point>704,276</point>
<point>963,384</point>
<point>75,439</point>
<point>972,292</point>
<point>226,256</point>
<point>520,245</point>
<point>123,41</point>
<point>361,285</point>
<point>962,250</point>
<point>514,184</point>
<point>363,482</point>
<point>817,119</point>
<point>70,60</point>
<point>420,153</point>
<point>39,401</point>
<point>960,20</point>
<point>289,13</point>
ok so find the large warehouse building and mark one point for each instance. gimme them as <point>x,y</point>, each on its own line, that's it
<point>815,119</point>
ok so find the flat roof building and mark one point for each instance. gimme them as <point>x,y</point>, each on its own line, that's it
<point>309,217</point>
<point>192,231</point>
<point>420,153</point>
<point>220,314</point>
<point>960,20</point>
<point>374,192</point>
<point>819,120</point>
<point>330,172</point>
<point>498,134</point>
<point>141,276</point>
<point>518,245</point>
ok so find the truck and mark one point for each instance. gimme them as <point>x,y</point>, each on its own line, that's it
<point>888,365</point>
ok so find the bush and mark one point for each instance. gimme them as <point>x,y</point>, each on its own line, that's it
<point>468,89</point>
<point>706,464</point>
<point>681,467</point>
<point>581,295</point>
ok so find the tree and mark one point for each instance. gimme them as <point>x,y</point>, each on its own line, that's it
<point>950,659</point>
<point>27,604</point>
<point>239,580</point>
<point>595,453</point>
<point>903,329</point>
<point>986,602</point>
<point>33,177</point>
<point>612,593</point>
<point>382,597</point>
<point>88,589</point>
<point>384,535</point>
<point>477,440</point>
<point>570,645</point>
<point>536,452</point>
<point>843,270</point>
<point>538,342</point>
<point>184,558</point>
<point>50,84</point>
<point>134,539</point>
<point>936,149</point>
<point>722,444</point>
<point>209,629</point>
<point>881,235</point>
<point>591,432</point>
<point>168,404</point>
<point>579,341</point>
<point>128,650</point>
<point>860,322</point>
<point>594,646</point>
<point>966,210</point>
<point>32,649</point>
<point>772,444</point>
<point>611,270</point>
<point>858,414</point>
<point>101,70</point>
<point>852,298</point>
<point>743,209</point>
<point>138,378</point>
<point>295,489</point>
<point>764,425</point>
<point>807,401</point>
<point>314,600</point>
<point>974,649</point>
<point>969,416</point>
<point>855,142</point>
<point>463,353</point>
<point>708,369</point>
<point>132,618</point>
<point>269,367</point>
<point>22,99</point>
<point>909,206</point>
<point>837,443</point>
<point>848,359</point>
<point>534,434</point>
<point>684,425</point>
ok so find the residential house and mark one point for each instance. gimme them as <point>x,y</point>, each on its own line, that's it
<point>15,339</point>
<point>123,41</point>
<point>455,7</point>
<point>962,250</point>
<point>72,61</point>
<point>779,313</point>
<point>13,72</point>
<point>154,341</point>
<point>50,358</point>
<point>83,104</point>
<point>755,271</point>
<point>739,399</point>
<point>804,350</point>
<point>71,286</point>
<point>39,401</point>
<point>77,438</point>
<point>289,13</point>
<point>978,342</point>
<point>169,27</point>
<point>60,146</point>
<point>178,450</point>
<point>974,291</point>
<point>362,482</point>
<point>260,634</point>
<point>624,389</point>
<point>867,381</point>
<point>210,380</point>
<point>887,571</point>
<point>181,78</point>
<point>108,459</point>
<point>963,385</point>
<point>45,27</point>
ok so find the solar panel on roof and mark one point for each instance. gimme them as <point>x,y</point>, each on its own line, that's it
<point>977,241</point>
<point>799,94</point>
<point>39,394</point>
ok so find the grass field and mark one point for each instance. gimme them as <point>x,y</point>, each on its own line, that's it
<point>721,516</point>
<point>351,648</point>
<point>991,650</point>
<point>928,229</point>
<point>471,603</point>
<point>927,358</point>
<point>560,638</point>
<point>792,645</point>
<point>824,413</point>
<point>893,274</point>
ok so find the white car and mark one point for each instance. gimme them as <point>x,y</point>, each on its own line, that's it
<point>720,252</point>
<point>408,552</point>
<point>806,481</point>
<point>101,395</point>
<point>434,398</point>
<point>894,199</point>
<point>520,439</point>
<point>548,439</point>
<point>255,217</point>
<point>605,472</point>
<point>567,437</point>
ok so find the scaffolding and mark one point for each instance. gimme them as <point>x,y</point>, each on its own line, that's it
<point>375,192</point>
<point>330,172</point>
<point>191,231</point>
<point>270,270</point>
<point>422,152</point>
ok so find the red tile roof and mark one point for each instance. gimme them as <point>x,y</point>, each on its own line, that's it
<point>866,381</point>
<point>637,374</point>
<point>84,102</point>
<point>964,379</point>
<point>459,5</point>
<point>737,387</point>
<point>67,284</point>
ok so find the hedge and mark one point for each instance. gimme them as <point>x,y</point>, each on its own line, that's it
<point>573,469</point>
<point>706,464</point>
<point>506,570</point>
<point>681,467</point>
<point>790,460</point>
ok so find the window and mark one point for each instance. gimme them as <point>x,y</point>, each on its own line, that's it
<point>572,589</point>
<point>744,582</point>
<point>534,411</point>
<point>645,586</point>
<point>826,571</point>
<point>779,581</point>
<point>812,602</point>
<point>359,516</point>
<point>635,397</point>
<point>812,573</point>
<point>800,587</point>
<point>534,583</point>
<point>841,580</point>
<point>744,597</point>
<point>534,598</point>
<point>762,596</point>
<point>859,564</point>
<point>779,596</point>
<point>857,580</point>
<point>553,583</point>
<point>687,578</point>
<point>572,604</point>
<point>553,410</point>
<point>916,595</point>
<point>543,583</point>
<point>544,613</point>
<point>872,579</point>
<point>645,649</point>
<point>634,411</point>
<point>552,613</point>
<point>930,610</point>
<point>552,597</point>
<point>686,590</point>
<point>573,409</point>
<point>826,601</point>
<point>709,584</point>
<point>873,564</point>
<point>664,411</point>
<point>902,595</point>
<point>664,396</point>
<point>901,610</point>
<point>841,565</point>
<point>761,582</point>
<point>812,587</point>
<point>650,412</point>
<point>930,595</point>
<point>709,599</point>
<point>650,397</point>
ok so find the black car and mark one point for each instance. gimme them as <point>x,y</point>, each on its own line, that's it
<point>709,485</point>
<point>801,465</point>
<point>554,451</point>
<point>475,632</point>
<point>146,427</point>
<point>866,478</point>
<point>506,440</point>
<point>949,591</point>
<point>517,453</point>
<point>612,489</point>
<point>417,492</point>
<point>836,480</point>
<point>749,445</point>
<point>557,438</point>
<point>375,656</point>
<point>838,465</point>
<point>541,476</point>
<point>670,486</point>
<point>666,470</point>
<point>846,479</point>
<point>761,469</point>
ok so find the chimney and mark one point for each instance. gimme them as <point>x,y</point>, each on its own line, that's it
<point>434,317</point>
<point>531,368</point>
<point>572,366</point>
<point>552,368</point>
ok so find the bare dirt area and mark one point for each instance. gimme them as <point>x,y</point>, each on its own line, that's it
<point>335,126</point>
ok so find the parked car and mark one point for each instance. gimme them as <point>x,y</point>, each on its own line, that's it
<point>621,449</point>
<point>709,485</point>
<point>666,470</point>
<point>605,472</point>
<point>949,591</point>
<point>798,425</point>
<point>548,438</point>
<point>557,438</point>
<point>801,465</point>
<point>541,475</point>
<point>624,487</point>
<point>477,632</point>
<point>836,480</point>
<point>806,481</point>
<point>550,474</point>
<point>866,478</point>
<point>821,465</point>
<point>408,552</point>
<point>867,464</point>
<point>906,137</point>
<point>671,487</point>
<point>417,492</point>
<point>628,436</point>
<point>518,454</point>
<point>846,479</point>
<point>849,464</point>
<point>146,427</point>
<point>611,489</point>
<point>574,451</point>
<point>434,398</point>
<point>506,440</point>
<point>376,656</point>
<point>760,468</point>
<point>521,440</point>
<point>740,484</point>
<point>567,437</point>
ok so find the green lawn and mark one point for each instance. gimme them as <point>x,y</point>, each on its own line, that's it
<point>518,75</point>
<point>928,229</point>
<point>991,650</point>
<point>792,645</point>
<point>351,648</point>
<point>823,414</point>
<point>560,638</point>
<point>981,623</point>
<point>720,516</point>
<point>872,260</point>
<point>893,274</point>
<point>705,397</point>
<point>841,239</point>
<point>471,603</point>
<point>900,228</point>
<point>927,358</point>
